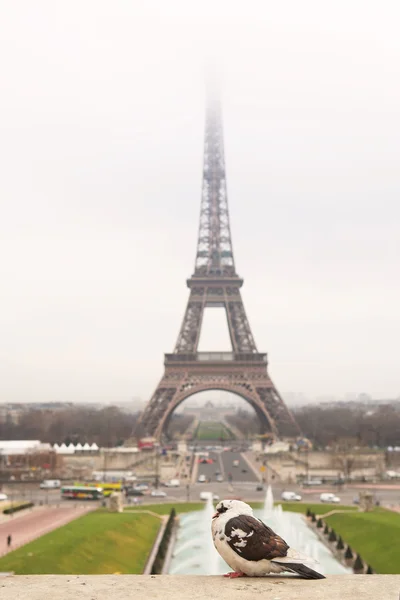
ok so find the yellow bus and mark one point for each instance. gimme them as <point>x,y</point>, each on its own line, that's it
<point>107,488</point>
<point>81,492</point>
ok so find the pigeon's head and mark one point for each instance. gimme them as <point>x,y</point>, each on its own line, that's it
<point>232,508</point>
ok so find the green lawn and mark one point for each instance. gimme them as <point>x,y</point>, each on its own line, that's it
<point>212,430</point>
<point>375,535</point>
<point>318,509</point>
<point>97,543</point>
<point>165,509</point>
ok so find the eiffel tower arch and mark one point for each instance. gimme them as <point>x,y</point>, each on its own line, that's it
<point>215,283</point>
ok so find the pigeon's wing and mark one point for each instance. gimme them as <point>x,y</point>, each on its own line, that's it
<point>298,563</point>
<point>251,539</point>
<point>299,568</point>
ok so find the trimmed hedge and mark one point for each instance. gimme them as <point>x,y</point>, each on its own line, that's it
<point>13,509</point>
<point>348,553</point>
<point>332,536</point>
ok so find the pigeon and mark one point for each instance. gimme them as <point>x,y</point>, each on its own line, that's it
<point>251,548</point>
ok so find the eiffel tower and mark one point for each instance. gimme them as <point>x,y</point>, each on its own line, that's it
<point>215,283</point>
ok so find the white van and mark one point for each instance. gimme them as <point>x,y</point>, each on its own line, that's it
<point>173,483</point>
<point>288,496</point>
<point>328,497</point>
<point>50,484</point>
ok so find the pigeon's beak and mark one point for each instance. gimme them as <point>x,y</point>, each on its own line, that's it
<point>215,515</point>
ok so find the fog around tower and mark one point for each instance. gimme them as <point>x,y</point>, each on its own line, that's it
<point>102,109</point>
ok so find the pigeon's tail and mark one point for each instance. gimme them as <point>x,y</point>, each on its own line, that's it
<point>302,570</point>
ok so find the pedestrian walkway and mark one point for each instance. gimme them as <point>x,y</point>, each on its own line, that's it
<point>36,523</point>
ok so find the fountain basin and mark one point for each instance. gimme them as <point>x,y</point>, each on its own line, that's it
<point>194,552</point>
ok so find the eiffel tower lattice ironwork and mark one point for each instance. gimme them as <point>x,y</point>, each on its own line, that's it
<point>215,283</point>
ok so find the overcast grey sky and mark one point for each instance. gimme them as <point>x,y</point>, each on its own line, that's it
<point>101,120</point>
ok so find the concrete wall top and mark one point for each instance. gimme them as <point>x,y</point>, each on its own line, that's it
<point>175,587</point>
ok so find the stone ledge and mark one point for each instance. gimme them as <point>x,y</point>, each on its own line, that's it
<point>184,587</point>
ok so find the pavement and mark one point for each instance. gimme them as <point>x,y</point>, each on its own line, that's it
<point>35,523</point>
<point>198,587</point>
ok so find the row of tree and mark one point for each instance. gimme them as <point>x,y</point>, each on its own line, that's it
<point>106,427</point>
<point>110,426</point>
<point>337,425</point>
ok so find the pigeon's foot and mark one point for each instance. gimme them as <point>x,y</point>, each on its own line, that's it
<point>235,574</point>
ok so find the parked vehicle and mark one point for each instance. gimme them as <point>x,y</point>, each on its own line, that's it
<point>50,484</point>
<point>290,496</point>
<point>143,487</point>
<point>172,483</point>
<point>133,492</point>
<point>339,482</point>
<point>235,463</point>
<point>219,478</point>
<point>158,494</point>
<point>312,482</point>
<point>205,496</point>
<point>260,488</point>
<point>202,479</point>
<point>3,497</point>
<point>328,497</point>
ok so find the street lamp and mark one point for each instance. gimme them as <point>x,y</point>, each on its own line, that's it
<point>157,474</point>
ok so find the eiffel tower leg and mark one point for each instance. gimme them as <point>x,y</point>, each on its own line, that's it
<point>279,415</point>
<point>151,422</point>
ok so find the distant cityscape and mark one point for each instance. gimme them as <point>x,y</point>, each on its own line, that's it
<point>13,411</point>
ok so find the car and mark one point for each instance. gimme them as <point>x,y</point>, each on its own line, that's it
<point>201,479</point>
<point>50,484</point>
<point>206,495</point>
<point>172,483</point>
<point>3,497</point>
<point>143,487</point>
<point>328,497</point>
<point>158,494</point>
<point>311,482</point>
<point>219,478</point>
<point>260,488</point>
<point>133,492</point>
<point>244,470</point>
<point>290,496</point>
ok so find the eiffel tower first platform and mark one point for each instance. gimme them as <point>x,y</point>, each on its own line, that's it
<point>215,283</point>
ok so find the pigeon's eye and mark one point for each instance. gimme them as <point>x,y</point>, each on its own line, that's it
<point>222,509</point>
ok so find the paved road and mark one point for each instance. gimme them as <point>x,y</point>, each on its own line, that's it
<point>210,470</point>
<point>31,493</point>
<point>223,464</point>
<point>32,525</point>
<point>247,491</point>
<point>240,473</point>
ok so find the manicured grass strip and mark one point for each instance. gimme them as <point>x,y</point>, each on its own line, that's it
<point>301,507</point>
<point>97,543</point>
<point>165,509</point>
<point>374,535</point>
<point>212,430</point>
